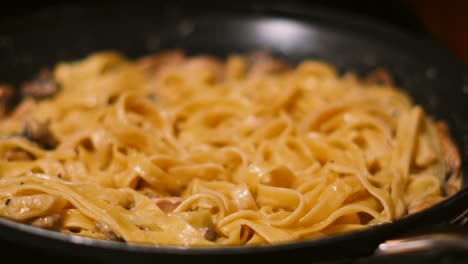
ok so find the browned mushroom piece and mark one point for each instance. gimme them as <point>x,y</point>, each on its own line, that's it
<point>452,160</point>
<point>108,232</point>
<point>380,77</point>
<point>209,233</point>
<point>17,155</point>
<point>6,94</point>
<point>38,132</point>
<point>51,222</point>
<point>168,204</point>
<point>42,86</point>
<point>262,62</point>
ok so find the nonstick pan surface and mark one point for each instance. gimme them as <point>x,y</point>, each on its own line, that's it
<point>429,73</point>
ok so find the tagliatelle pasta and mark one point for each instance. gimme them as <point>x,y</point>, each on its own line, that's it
<point>171,149</point>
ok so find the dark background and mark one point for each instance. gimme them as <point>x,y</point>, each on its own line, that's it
<point>443,21</point>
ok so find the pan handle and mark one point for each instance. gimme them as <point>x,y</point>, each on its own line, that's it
<point>451,239</point>
<point>446,239</point>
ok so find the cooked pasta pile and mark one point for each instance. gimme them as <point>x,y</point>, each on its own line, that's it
<point>171,149</point>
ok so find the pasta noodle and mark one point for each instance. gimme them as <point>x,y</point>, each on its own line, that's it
<point>170,149</point>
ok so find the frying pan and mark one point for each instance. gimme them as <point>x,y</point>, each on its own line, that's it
<point>430,74</point>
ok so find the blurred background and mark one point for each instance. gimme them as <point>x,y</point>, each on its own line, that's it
<point>444,21</point>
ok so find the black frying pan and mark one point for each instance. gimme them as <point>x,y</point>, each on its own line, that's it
<point>430,74</point>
